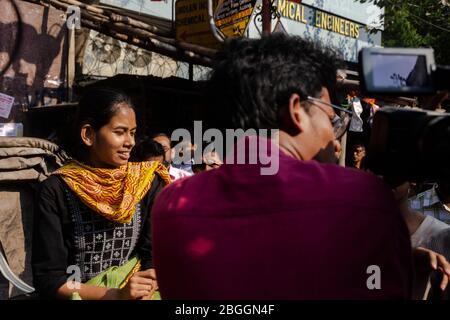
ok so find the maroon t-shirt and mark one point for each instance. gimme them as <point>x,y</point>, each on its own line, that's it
<point>311,231</point>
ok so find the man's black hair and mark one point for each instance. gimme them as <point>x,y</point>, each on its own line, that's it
<point>159,134</point>
<point>146,149</point>
<point>253,79</point>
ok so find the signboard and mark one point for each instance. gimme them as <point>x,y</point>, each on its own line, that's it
<point>6,103</point>
<point>160,9</point>
<point>233,16</point>
<point>366,13</point>
<point>318,18</point>
<point>344,33</point>
<point>192,24</point>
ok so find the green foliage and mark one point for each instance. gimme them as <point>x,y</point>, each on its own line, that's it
<point>417,23</point>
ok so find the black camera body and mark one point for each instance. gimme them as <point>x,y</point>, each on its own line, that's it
<point>410,145</point>
<point>406,144</point>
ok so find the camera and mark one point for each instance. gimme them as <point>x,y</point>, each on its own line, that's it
<point>406,144</point>
<point>401,71</point>
<point>410,145</point>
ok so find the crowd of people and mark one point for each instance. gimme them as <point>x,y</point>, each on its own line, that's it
<point>129,222</point>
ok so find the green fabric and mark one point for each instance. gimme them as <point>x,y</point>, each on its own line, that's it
<point>113,278</point>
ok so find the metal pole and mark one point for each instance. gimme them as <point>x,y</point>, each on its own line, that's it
<point>218,35</point>
<point>71,64</point>
<point>266,17</point>
<point>343,150</point>
<point>191,72</point>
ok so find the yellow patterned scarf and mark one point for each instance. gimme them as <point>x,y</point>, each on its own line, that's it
<point>112,193</point>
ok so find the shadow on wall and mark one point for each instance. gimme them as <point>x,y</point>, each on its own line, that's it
<point>32,72</point>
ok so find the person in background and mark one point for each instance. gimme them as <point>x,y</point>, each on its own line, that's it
<point>210,159</point>
<point>426,242</point>
<point>149,150</point>
<point>164,141</point>
<point>434,202</point>
<point>421,227</point>
<point>440,242</point>
<point>184,155</point>
<point>169,154</point>
<point>359,153</point>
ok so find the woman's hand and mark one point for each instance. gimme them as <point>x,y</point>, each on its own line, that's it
<point>152,273</point>
<point>140,286</point>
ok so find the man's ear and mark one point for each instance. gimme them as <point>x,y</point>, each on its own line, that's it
<point>293,116</point>
<point>87,135</point>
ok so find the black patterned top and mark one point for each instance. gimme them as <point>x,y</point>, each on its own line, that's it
<point>68,233</point>
<point>100,243</point>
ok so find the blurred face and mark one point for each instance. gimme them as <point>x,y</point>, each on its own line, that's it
<point>165,142</point>
<point>358,154</point>
<point>110,146</point>
<point>211,160</point>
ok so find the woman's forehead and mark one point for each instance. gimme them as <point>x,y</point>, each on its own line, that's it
<point>124,115</point>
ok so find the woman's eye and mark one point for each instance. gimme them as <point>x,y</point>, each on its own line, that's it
<point>119,132</point>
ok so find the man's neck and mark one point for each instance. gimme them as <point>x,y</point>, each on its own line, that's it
<point>286,145</point>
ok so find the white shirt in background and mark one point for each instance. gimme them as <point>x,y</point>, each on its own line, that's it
<point>429,228</point>
<point>176,173</point>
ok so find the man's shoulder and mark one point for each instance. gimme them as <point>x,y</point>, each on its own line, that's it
<point>172,195</point>
<point>348,178</point>
<point>308,178</point>
<point>179,184</point>
<point>330,186</point>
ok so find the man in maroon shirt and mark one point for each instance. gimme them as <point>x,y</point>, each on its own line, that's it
<point>310,230</point>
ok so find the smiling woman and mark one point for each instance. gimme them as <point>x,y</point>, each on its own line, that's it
<point>93,214</point>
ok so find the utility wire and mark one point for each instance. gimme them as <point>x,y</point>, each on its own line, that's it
<point>430,23</point>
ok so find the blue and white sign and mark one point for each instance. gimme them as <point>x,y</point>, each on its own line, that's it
<point>160,9</point>
<point>343,24</point>
<point>365,13</point>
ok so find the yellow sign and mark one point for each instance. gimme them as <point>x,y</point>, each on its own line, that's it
<point>192,23</point>
<point>233,16</point>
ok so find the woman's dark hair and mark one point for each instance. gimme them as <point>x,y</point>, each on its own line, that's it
<point>99,105</point>
<point>358,145</point>
<point>96,108</point>
<point>161,134</point>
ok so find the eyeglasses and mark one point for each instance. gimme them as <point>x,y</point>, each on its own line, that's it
<point>339,123</point>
